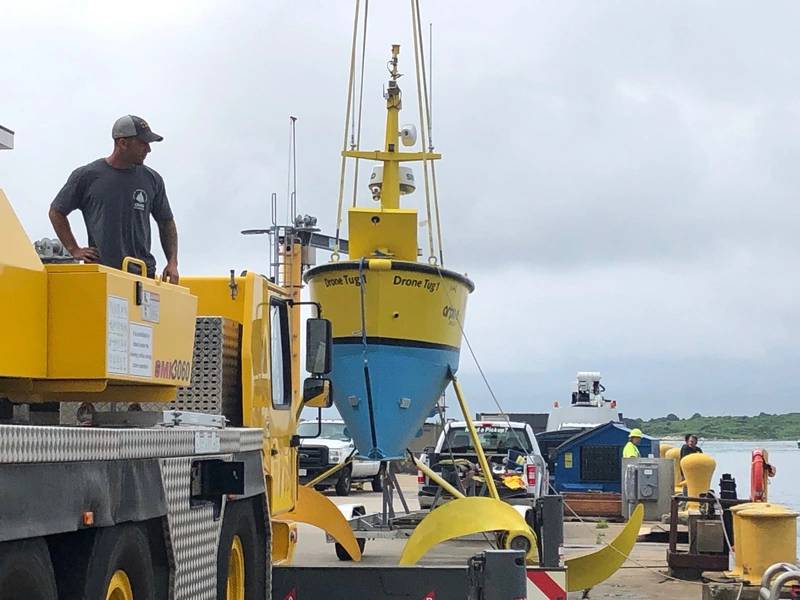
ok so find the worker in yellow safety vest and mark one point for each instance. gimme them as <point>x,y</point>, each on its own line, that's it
<point>631,449</point>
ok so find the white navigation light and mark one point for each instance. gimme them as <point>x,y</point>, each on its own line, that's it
<point>408,135</point>
<point>407,182</point>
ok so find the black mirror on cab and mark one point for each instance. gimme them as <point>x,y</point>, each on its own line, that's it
<point>319,346</point>
<point>317,393</point>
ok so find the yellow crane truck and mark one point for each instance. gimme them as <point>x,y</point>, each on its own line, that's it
<point>148,446</point>
<point>147,430</point>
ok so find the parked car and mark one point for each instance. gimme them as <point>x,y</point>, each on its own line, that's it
<point>517,465</point>
<point>332,446</point>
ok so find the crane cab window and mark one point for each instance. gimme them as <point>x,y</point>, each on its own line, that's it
<point>280,358</point>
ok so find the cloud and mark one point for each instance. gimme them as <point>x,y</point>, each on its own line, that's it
<point>618,178</point>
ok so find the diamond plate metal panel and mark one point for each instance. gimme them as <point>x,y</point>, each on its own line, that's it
<point>193,534</point>
<point>216,377</point>
<point>34,443</point>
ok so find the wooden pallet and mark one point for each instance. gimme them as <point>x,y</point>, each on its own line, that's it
<point>593,504</point>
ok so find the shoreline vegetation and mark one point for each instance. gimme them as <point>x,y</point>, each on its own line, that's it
<point>763,426</point>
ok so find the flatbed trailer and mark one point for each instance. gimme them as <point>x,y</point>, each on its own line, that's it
<point>490,575</point>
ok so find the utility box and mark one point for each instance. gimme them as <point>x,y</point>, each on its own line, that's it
<point>648,481</point>
<point>706,536</point>
<point>109,326</point>
<point>110,336</point>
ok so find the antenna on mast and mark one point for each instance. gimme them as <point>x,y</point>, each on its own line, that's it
<point>291,175</point>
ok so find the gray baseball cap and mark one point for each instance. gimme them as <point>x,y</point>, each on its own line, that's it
<point>133,126</point>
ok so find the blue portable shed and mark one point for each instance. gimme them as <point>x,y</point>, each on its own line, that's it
<point>591,461</point>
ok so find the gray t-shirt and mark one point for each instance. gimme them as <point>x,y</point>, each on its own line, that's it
<point>116,206</point>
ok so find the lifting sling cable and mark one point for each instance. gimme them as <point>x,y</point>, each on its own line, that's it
<point>360,99</point>
<point>364,346</point>
<point>479,366</point>
<point>417,44</point>
<point>436,211</point>
<point>428,102</point>
<point>346,128</point>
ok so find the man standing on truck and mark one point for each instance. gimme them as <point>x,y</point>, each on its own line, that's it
<point>631,449</point>
<point>117,195</point>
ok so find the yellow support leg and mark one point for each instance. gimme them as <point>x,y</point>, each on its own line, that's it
<point>584,572</point>
<point>487,471</point>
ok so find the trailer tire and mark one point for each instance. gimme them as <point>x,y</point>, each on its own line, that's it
<point>377,481</point>
<point>26,572</point>
<point>241,554</point>
<point>343,554</point>
<point>344,481</point>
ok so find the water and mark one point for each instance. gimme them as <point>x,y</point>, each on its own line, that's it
<point>735,457</point>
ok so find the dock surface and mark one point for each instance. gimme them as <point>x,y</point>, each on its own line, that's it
<point>642,577</point>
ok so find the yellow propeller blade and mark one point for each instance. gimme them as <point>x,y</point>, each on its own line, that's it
<point>317,510</point>
<point>463,516</point>
<point>584,572</point>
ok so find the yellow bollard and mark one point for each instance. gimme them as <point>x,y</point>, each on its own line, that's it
<point>770,536</point>
<point>697,469</point>
<point>663,448</point>
<point>740,550</point>
<point>675,455</point>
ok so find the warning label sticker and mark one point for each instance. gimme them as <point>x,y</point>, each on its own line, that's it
<point>117,335</point>
<point>141,350</point>
<point>151,306</point>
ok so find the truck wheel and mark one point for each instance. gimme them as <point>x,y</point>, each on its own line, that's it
<point>26,572</point>
<point>343,554</point>
<point>112,563</point>
<point>377,481</point>
<point>121,567</point>
<point>241,554</point>
<point>344,481</point>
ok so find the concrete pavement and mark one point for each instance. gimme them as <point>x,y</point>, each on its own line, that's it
<point>643,577</point>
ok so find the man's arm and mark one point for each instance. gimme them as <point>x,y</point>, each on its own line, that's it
<point>168,233</point>
<point>64,233</point>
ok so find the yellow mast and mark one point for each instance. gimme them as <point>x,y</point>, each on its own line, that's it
<point>390,192</point>
<point>389,231</point>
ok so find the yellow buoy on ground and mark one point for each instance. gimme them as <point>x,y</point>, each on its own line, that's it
<point>663,448</point>
<point>769,536</point>
<point>697,469</point>
<point>674,454</point>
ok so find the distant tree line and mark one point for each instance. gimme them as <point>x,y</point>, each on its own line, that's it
<point>763,426</point>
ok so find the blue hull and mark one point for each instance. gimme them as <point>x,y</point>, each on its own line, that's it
<point>405,381</point>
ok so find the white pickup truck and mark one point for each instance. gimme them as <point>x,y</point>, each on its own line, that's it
<point>323,446</point>
<point>518,467</point>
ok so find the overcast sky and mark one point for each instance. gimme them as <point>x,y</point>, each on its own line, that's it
<point>619,178</point>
